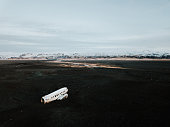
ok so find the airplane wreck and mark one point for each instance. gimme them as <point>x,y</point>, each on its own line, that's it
<point>56,95</point>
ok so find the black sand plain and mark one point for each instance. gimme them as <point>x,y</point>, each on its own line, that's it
<point>136,96</point>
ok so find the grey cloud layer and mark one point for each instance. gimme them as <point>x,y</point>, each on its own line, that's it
<point>78,25</point>
<point>47,36</point>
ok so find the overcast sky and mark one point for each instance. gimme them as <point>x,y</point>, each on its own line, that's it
<point>84,26</point>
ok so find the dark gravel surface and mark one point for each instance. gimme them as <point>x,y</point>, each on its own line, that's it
<point>138,96</point>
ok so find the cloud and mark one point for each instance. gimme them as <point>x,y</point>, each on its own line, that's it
<point>109,38</point>
<point>7,42</point>
<point>16,29</point>
<point>31,36</point>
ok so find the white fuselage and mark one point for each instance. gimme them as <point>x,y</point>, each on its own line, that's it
<point>56,95</point>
